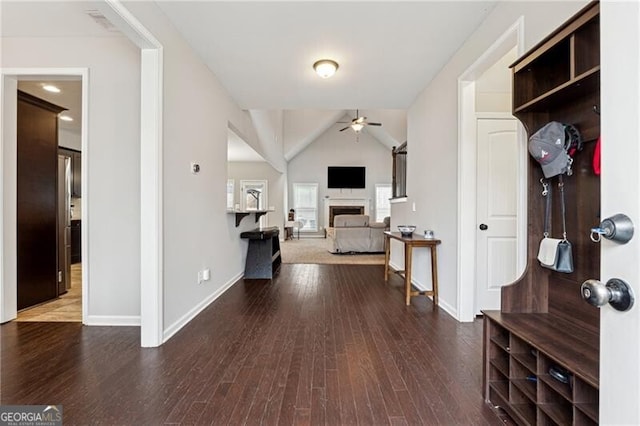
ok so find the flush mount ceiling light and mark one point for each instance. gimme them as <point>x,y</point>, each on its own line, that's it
<point>325,68</point>
<point>65,118</point>
<point>51,88</point>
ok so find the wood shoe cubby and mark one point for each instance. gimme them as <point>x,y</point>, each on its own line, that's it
<point>543,321</point>
<point>519,356</point>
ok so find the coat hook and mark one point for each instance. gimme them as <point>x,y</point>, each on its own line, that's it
<point>596,109</point>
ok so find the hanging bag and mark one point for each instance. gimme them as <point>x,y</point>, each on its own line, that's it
<point>555,253</point>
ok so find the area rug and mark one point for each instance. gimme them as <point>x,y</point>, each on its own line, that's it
<point>317,250</point>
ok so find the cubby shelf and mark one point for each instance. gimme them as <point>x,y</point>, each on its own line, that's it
<point>521,379</point>
<point>569,90</point>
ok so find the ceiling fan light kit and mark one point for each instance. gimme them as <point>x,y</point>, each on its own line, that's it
<point>325,68</point>
<point>358,123</point>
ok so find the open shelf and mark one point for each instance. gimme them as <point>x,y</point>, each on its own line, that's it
<point>241,214</point>
<point>569,90</point>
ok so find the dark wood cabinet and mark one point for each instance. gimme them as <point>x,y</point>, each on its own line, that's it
<point>76,241</point>
<point>543,321</point>
<point>37,225</point>
<point>76,175</point>
<point>76,170</point>
<point>263,254</point>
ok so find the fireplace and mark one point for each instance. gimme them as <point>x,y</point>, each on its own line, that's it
<point>337,210</point>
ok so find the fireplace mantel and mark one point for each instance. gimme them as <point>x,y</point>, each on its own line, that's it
<point>361,202</point>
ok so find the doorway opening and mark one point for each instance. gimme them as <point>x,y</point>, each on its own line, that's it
<point>479,101</point>
<point>57,293</point>
<point>67,305</point>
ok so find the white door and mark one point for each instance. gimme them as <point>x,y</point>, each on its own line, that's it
<point>497,181</point>
<point>620,186</point>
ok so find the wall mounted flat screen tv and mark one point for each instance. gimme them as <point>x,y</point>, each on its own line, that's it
<point>345,177</point>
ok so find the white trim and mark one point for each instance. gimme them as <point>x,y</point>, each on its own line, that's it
<point>129,25</point>
<point>113,320</point>
<point>398,200</point>
<point>12,281</point>
<point>466,256</point>
<point>8,296</point>
<point>451,310</point>
<point>186,318</point>
<point>85,194</point>
<point>151,221</point>
<point>151,172</point>
<point>494,116</point>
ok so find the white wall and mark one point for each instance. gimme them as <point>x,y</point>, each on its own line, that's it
<point>335,148</point>
<point>198,232</point>
<point>275,190</point>
<point>493,87</point>
<point>113,166</point>
<point>432,140</point>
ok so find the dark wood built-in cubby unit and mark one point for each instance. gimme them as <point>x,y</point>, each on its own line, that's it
<point>543,321</point>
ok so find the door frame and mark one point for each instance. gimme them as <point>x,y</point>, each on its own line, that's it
<point>8,179</point>
<point>467,116</point>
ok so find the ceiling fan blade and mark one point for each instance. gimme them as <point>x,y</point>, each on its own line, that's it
<point>374,124</point>
<point>342,130</point>
<point>344,122</point>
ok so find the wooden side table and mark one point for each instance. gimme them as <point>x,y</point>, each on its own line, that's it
<point>289,227</point>
<point>409,244</point>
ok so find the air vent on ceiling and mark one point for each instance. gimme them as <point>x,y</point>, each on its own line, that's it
<point>101,20</point>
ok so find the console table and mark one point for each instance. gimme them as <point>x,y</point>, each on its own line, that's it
<point>263,255</point>
<point>409,244</point>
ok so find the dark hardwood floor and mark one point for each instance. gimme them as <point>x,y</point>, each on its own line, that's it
<point>320,344</point>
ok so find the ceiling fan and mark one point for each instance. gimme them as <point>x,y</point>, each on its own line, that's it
<point>358,123</point>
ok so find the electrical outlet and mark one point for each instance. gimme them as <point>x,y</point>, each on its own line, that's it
<point>206,274</point>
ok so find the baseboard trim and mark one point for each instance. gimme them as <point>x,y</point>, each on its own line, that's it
<point>170,331</point>
<point>113,320</point>
<point>441,303</point>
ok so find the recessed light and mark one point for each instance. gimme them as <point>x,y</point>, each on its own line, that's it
<point>51,88</point>
<point>325,68</point>
<point>65,118</point>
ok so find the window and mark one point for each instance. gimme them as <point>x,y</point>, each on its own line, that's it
<point>254,194</point>
<point>399,182</point>
<point>383,206</point>
<point>305,203</point>
<point>230,186</point>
